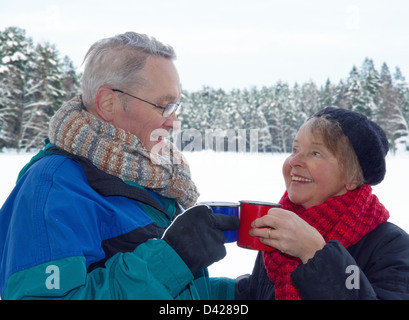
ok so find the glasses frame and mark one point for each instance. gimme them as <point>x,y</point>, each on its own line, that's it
<point>172,106</point>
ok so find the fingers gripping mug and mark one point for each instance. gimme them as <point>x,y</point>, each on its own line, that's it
<point>250,211</point>
<point>229,208</point>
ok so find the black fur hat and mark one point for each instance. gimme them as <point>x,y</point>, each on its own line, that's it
<point>367,138</point>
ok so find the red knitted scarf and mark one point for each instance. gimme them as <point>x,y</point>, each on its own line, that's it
<point>345,218</point>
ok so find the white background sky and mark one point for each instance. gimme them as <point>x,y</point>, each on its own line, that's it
<point>232,43</point>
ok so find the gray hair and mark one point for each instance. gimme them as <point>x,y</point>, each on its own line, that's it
<point>115,62</point>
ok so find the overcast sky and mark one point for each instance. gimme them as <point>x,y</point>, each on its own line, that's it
<point>232,43</point>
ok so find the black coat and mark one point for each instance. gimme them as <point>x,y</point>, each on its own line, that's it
<point>382,257</point>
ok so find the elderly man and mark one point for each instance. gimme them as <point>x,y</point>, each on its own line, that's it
<point>97,213</point>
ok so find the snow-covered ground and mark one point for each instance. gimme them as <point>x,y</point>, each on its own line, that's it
<point>234,177</point>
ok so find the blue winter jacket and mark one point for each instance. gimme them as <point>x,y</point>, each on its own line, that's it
<point>71,231</point>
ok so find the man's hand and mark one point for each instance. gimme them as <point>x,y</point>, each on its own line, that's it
<point>196,235</point>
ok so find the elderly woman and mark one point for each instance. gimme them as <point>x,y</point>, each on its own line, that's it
<point>331,237</point>
<point>93,214</point>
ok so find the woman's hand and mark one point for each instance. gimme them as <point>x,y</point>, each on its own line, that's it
<point>287,232</point>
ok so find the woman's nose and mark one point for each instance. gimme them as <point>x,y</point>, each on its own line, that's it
<point>296,160</point>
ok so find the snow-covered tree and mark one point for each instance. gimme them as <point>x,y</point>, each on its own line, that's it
<point>15,57</point>
<point>282,121</point>
<point>340,98</point>
<point>326,95</point>
<point>35,83</point>
<point>45,94</point>
<point>371,84</point>
<point>277,111</point>
<point>402,88</point>
<point>70,78</point>
<point>388,115</point>
<point>354,92</point>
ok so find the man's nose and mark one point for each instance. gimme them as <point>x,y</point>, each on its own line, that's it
<point>173,122</point>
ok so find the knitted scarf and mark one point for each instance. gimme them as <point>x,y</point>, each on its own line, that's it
<point>121,153</point>
<point>346,218</point>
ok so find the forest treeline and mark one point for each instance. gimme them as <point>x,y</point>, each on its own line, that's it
<point>35,82</point>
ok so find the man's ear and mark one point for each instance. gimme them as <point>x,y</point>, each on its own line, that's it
<point>105,103</point>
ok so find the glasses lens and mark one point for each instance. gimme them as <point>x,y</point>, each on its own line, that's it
<point>170,109</point>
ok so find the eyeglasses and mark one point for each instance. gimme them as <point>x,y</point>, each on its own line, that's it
<point>168,110</point>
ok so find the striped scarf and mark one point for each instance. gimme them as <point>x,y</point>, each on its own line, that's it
<point>121,153</point>
<point>346,218</point>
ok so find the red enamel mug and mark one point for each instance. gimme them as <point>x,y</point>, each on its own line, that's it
<point>250,211</point>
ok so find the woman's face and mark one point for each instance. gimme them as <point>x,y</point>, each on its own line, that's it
<point>312,174</point>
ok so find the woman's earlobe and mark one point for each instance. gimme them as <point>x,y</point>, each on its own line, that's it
<point>351,186</point>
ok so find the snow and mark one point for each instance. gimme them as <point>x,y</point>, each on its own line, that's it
<point>17,56</point>
<point>6,59</point>
<point>222,176</point>
<point>4,69</point>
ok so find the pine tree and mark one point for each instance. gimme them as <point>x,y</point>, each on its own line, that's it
<point>45,95</point>
<point>371,84</point>
<point>192,117</point>
<point>402,100</point>
<point>388,116</point>
<point>309,99</point>
<point>326,95</point>
<point>70,78</point>
<point>34,86</point>
<point>256,120</point>
<point>402,89</point>
<point>15,58</point>
<point>280,118</point>
<point>353,94</point>
<point>340,98</point>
